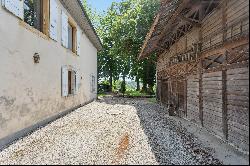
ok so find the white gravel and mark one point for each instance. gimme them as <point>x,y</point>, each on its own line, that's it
<point>111,131</point>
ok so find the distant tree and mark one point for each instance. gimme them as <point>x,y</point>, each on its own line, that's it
<point>122,30</point>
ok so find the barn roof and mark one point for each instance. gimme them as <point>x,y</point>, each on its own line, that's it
<point>174,19</point>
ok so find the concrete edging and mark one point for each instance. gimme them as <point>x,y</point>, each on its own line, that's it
<point>9,140</point>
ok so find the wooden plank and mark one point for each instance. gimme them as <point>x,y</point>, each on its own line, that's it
<point>212,91</point>
<point>214,122</point>
<point>214,129</point>
<point>211,105</point>
<point>212,96</point>
<point>235,120</point>
<point>242,129</point>
<point>239,135</point>
<point>213,101</point>
<point>213,79</point>
<point>238,98</point>
<point>232,115</point>
<point>214,74</point>
<point>217,108</point>
<point>193,89</point>
<point>192,104</point>
<point>232,88</point>
<point>212,113</point>
<point>238,139</point>
<point>238,77</point>
<point>237,108</point>
<point>213,87</point>
<point>238,82</point>
<point>193,108</point>
<point>212,83</point>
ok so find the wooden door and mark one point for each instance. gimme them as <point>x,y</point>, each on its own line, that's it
<point>238,107</point>
<point>193,98</point>
<point>212,102</point>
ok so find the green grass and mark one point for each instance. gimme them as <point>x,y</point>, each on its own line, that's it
<point>134,93</point>
<point>102,95</point>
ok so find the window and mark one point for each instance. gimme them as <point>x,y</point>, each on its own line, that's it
<point>72,35</point>
<point>70,81</point>
<point>93,84</point>
<point>36,14</point>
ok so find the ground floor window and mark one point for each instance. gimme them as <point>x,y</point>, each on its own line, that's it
<point>93,83</point>
<point>70,81</point>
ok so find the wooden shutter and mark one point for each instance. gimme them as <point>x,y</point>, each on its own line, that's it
<point>78,82</point>
<point>78,41</point>
<point>15,7</point>
<point>64,81</point>
<point>64,30</point>
<point>53,19</point>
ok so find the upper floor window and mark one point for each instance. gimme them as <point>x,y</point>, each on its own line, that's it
<point>36,14</point>
<point>72,36</point>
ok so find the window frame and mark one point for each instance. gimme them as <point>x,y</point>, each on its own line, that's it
<point>73,24</point>
<point>45,17</point>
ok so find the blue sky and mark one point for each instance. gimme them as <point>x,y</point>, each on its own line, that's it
<point>101,5</point>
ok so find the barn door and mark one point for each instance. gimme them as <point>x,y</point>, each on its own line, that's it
<point>176,95</point>
<point>212,102</point>
<point>181,98</point>
<point>193,98</point>
<point>238,107</point>
<point>164,93</point>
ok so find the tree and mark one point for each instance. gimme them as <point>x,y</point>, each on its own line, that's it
<point>122,30</point>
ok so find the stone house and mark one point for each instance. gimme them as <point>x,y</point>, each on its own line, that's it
<point>48,65</point>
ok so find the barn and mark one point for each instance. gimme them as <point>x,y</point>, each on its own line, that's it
<point>202,49</point>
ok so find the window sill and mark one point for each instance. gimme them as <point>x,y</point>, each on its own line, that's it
<point>33,30</point>
<point>69,96</point>
<point>71,52</point>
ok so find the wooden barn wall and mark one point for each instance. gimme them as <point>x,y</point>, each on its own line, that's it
<point>216,97</point>
<point>212,29</point>
<point>193,98</point>
<point>238,107</point>
<point>212,102</point>
<point>237,14</point>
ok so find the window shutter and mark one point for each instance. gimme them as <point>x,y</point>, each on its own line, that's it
<point>78,82</point>
<point>78,42</point>
<point>64,30</point>
<point>15,7</point>
<point>53,19</point>
<point>64,81</point>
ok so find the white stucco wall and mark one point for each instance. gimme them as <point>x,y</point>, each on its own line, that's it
<point>31,92</point>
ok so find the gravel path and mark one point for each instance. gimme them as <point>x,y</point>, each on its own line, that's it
<point>111,131</point>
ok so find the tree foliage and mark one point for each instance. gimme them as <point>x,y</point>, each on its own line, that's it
<point>122,30</point>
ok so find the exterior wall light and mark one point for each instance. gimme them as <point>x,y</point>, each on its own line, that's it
<point>36,58</point>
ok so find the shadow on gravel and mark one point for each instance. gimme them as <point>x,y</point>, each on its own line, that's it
<point>170,142</point>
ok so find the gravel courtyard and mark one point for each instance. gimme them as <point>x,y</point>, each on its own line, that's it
<point>111,131</point>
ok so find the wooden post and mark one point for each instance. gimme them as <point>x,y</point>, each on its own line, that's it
<point>224,19</point>
<point>224,104</point>
<point>200,93</point>
<point>224,74</point>
<point>224,100</point>
<point>185,96</point>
